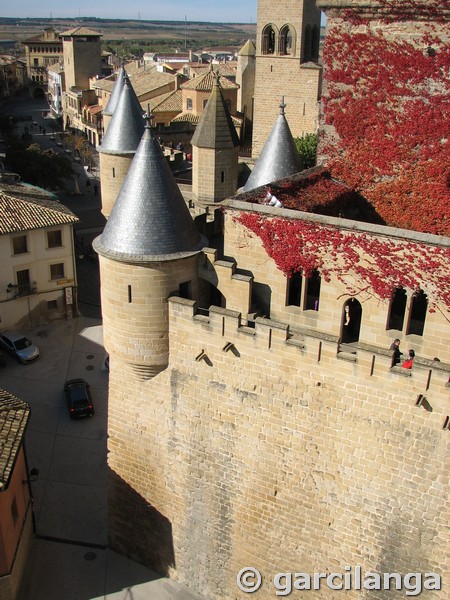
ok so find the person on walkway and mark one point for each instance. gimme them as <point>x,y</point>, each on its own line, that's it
<point>408,363</point>
<point>95,189</point>
<point>396,353</point>
<point>88,184</point>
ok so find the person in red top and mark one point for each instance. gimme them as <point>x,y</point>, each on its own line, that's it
<point>407,364</point>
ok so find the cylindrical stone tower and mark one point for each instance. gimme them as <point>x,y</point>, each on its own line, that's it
<point>119,145</point>
<point>148,250</point>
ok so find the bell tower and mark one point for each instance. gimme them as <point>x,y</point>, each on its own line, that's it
<point>287,64</point>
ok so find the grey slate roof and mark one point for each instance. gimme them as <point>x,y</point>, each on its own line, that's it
<point>115,94</point>
<point>150,220</point>
<point>279,157</point>
<point>125,130</point>
<point>215,128</point>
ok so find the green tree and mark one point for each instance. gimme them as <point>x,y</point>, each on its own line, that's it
<point>43,168</point>
<point>307,148</point>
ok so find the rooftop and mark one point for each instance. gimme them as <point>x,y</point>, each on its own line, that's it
<point>14,415</point>
<point>24,207</point>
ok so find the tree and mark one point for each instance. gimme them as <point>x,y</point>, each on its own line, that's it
<point>43,168</point>
<point>307,148</point>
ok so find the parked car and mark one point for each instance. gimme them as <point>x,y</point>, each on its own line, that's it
<point>79,399</point>
<point>19,346</point>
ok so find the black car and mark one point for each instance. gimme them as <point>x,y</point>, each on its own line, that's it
<point>79,400</point>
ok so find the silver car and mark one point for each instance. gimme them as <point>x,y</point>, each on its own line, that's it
<point>19,346</point>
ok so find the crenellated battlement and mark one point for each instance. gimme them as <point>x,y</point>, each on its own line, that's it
<point>276,343</point>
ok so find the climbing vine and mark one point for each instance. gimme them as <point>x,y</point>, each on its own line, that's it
<point>388,100</point>
<point>367,265</point>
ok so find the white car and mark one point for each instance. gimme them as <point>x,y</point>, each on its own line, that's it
<point>19,346</point>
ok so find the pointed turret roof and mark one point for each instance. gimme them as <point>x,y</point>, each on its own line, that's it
<point>215,128</point>
<point>127,125</point>
<point>115,94</point>
<point>150,220</point>
<point>279,157</point>
<point>248,49</point>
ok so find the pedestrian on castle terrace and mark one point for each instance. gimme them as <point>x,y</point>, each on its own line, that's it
<point>408,363</point>
<point>396,353</point>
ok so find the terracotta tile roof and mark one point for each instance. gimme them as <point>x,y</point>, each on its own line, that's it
<point>95,109</point>
<point>81,31</point>
<point>188,117</point>
<point>14,415</point>
<point>105,84</point>
<point>24,207</point>
<point>171,102</point>
<point>204,83</point>
<point>144,81</point>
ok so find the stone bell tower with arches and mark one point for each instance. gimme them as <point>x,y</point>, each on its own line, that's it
<point>287,64</point>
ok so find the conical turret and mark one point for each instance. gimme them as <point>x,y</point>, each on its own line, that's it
<point>119,145</point>
<point>148,251</point>
<point>114,98</point>
<point>150,219</point>
<point>215,151</point>
<point>279,157</point>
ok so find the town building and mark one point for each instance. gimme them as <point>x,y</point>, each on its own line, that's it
<point>55,87</point>
<point>256,415</point>
<point>12,76</point>
<point>37,272</point>
<point>16,524</point>
<point>287,64</point>
<point>82,63</point>
<point>41,51</point>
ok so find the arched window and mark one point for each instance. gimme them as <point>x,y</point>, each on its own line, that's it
<point>268,40</point>
<point>189,104</point>
<point>351,321</point>
<point>286,41</point>
<point>397,310</point>
<point>307,44</point>
<point>205,102</point>
<point>315,43</point>
<point>417,313</point>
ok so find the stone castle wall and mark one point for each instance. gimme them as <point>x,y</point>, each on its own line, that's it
<point>263,444</point>
<point>279,454</point>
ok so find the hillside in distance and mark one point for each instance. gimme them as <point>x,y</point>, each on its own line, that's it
<point>134,29</point>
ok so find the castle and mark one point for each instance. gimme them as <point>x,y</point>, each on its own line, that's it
<point>255,415</point>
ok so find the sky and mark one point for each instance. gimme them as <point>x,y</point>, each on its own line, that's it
<point>231,11</point>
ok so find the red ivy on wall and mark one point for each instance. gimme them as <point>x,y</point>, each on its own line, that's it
<point>388,99</point>
<point>366,265</point>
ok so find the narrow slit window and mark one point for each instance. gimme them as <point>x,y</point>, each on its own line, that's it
<point>417,314</point>
<point>312,292</point>
<point>397,310</point>
<point>294,291</point>
<point>130,297</point>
